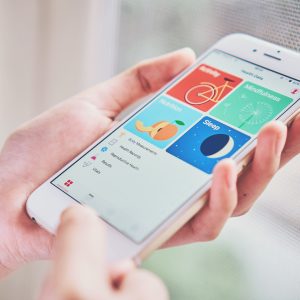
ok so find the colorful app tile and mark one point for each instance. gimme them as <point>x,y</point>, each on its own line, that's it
<point>206,143</point>
<point>250,107</point>
<point>162,121</point>
<point>204,87</point>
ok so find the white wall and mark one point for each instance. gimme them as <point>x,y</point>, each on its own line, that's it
<point>49,50</point>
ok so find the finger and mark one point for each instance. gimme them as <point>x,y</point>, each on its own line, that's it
<point>222,201</point>
<point>209,221</point>
<point>265,163</point>
<point>146,77</point>
<point>79,266</point>
<point>141,284</point>
<point>119,271</point>
<point>292,145</point>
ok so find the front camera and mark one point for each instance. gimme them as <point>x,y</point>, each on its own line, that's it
<point>254,50</point>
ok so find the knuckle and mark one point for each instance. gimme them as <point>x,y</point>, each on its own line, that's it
<point>212,234</point>
<point>201,235</point>
<point>269,172</point>
<point>204,235</point>
<point>16,136</point>
<point>266,173</point>
<point>141,71</point>
<point>229,205</point>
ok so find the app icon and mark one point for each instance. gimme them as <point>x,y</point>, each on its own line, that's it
<point>68,182</point>
<point>204,87</point>
<point>122,134</point>
<point>112,142</point>
<point>206,143</point>
<point>161,130</point>
<point>295,91</point>
<point>162,121</point>
<point>250,107</point>
<point>217,145</point>
<point>86,164</point>
<point>89,162</point>
<point>104,149</point>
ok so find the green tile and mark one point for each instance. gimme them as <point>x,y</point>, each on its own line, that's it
<point>250,107</point>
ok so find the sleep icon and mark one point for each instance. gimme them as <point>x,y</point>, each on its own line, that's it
<point>217,146</point>
<point>206,143</point>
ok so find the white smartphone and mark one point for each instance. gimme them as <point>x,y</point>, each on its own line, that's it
<point>151,173</point>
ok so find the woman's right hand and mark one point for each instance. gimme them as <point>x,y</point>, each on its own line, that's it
<point>79,270</point>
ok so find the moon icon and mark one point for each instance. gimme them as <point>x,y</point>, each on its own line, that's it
<point>217,146</point>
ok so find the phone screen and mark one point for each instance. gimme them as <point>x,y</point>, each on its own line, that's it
<point>149,166</point>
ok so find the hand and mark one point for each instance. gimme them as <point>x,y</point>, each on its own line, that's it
<point>80,271</point>
<point>41,147</point>
<point>230,198</point>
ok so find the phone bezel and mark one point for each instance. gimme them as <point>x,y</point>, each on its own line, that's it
<point>47,202</point>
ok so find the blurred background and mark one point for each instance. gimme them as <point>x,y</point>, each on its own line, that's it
<point>51,49</point>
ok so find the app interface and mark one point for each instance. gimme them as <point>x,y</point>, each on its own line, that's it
<point>149,167</point>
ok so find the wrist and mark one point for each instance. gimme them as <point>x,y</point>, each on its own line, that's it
<point>13,223</point>
<point>8,253</point>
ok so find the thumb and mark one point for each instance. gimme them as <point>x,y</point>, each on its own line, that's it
<point>79,270</point>
<point>144,78</point>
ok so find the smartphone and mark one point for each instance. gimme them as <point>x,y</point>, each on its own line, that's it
<point>151,173</point>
